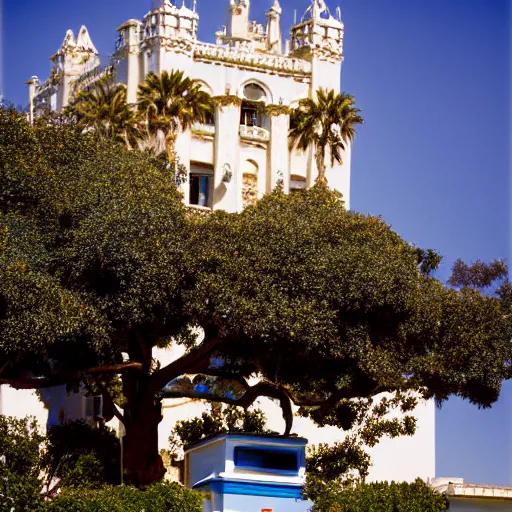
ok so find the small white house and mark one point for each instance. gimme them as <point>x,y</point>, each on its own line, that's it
<point>249,473</point>
<point>464,497</point>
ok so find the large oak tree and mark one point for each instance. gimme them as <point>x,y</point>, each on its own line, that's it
<point>100,263</point>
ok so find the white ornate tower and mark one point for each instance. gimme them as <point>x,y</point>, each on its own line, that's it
<point>238,20</point>
<point>74,58</point>
<point>274,36</point>
<point>318,38</point>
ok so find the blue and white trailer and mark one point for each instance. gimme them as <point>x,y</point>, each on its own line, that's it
<point>248,473</point>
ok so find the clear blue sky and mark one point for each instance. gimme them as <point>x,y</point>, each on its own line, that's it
<point>432,80</point>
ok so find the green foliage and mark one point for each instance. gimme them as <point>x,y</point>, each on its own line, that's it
<point>331,304</point>
<point>221,420</point>
<point>87,472</point>
<point>99,258</point>
<point>326,123</point>
<point>277,110</point>
<point>104,110</point>
<point>169,103</point>
<point>378,497</point>
<point>82,454</point>
<point>428,260</point>
<point>227,100</point>
<point>479,274</point>
<point>20,485</point>
<point>164,497</point>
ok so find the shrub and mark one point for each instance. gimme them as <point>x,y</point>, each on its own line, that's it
<point>163,497</point>
<point>83,455</point>
<point>380,497</point>
<point>20,486</point>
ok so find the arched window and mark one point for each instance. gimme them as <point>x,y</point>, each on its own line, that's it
<point>254,92</point>
<point>254,95</point>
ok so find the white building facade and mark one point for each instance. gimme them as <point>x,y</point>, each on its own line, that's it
<point>257,78</point>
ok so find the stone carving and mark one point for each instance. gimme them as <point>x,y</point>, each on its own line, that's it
<point>244,57</point>
<point>249,189</point>
<point>254,133</point>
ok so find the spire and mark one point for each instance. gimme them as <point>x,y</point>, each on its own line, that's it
<point>316,9</point>
<point>274,37</point>
<point>69,41</point>
<point>275,9</point>
<point>84,42</point>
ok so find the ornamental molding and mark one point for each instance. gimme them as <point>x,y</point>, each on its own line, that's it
<point>246,58</point>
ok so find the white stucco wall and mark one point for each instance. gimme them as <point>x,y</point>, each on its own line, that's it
<point>21,403</point>
<point>479,505</point>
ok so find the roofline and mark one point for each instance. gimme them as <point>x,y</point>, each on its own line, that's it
<point>459,489</point>
<point>245,436</point>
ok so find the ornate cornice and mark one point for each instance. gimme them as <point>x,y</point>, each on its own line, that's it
<point>248,59</point>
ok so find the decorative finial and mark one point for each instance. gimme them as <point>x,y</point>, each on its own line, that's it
<point>194,6</point>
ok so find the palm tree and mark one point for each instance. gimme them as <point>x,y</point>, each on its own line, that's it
<point>105,111</point>
<point>327,123</point>
<point>171,103</point>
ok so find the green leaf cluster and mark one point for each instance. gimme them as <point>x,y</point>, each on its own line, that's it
<point>220,420</point>
<point>379,497</point>
<point>162,497</point>
<point>82,455</point>
<point>20,483</point>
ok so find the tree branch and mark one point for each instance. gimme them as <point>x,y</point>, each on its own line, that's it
<point>262,389</point>
<point>110,402</point>
<point>192,362</point>
<point>65,377</point>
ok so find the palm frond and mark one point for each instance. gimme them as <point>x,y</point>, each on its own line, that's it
<point>326,123</point>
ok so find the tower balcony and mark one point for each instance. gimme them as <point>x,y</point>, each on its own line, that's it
<point>203,129</point>
<point>254,133</point>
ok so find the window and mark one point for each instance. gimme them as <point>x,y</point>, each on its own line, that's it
<point>210,119</point>
<point>254,92</point>
<point>201,185</point>
<point>250,115</point>
<point>276,460</point>
<point>297,183</point>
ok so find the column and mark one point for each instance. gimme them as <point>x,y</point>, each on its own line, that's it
<point>133,67</point>
<point>279,152</point>
<point>227,195</point>
<point>182,151</point>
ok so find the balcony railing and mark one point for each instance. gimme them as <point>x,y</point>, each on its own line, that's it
<point>203,129</point>
<point>254,133</point>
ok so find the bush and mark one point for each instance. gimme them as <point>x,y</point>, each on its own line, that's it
<point>20,486</point>
<point>83,455</point>
<point>163,497</point>
<point>380,497</point>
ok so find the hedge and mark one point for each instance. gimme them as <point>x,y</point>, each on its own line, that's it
<point>163,497</point>
<point>381,497</point>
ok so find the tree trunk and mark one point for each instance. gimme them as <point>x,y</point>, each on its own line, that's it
<point>321,179</point>
<point>170,144</point>
<point>142,463</point>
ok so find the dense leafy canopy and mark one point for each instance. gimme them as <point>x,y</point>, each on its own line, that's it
<point>100,263</point>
